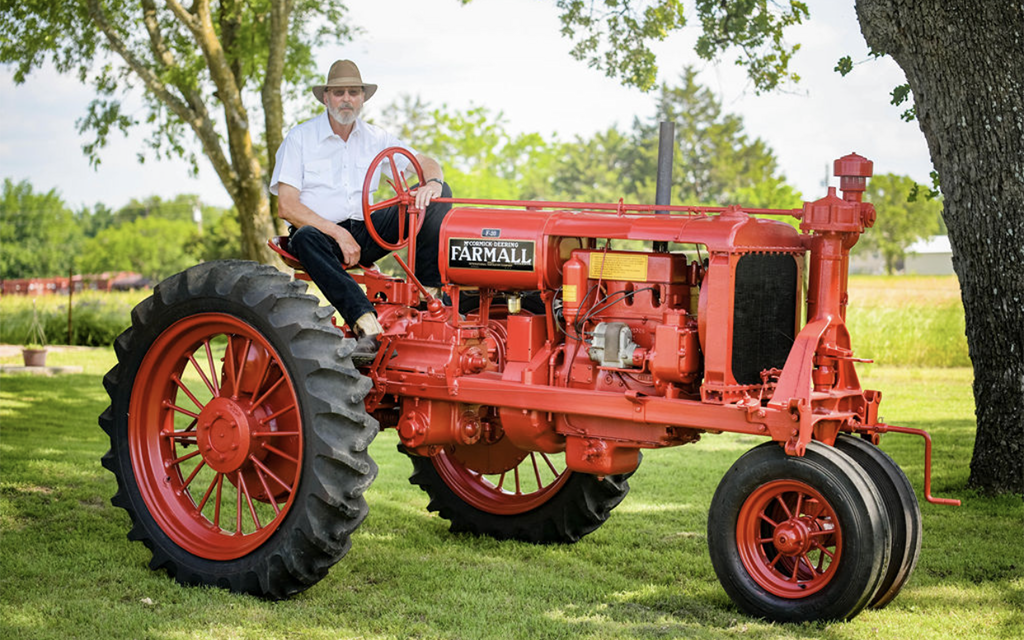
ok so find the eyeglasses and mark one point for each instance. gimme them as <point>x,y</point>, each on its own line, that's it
<point>351,91</point>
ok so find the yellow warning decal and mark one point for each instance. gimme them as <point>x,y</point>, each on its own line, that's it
<point>569,293</point>
<point>631,267</point>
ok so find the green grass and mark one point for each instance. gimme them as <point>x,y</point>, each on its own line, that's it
<point>67,569</point>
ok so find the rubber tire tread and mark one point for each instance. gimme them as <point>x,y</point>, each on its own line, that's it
<point>336,467</point>
<point>581,505</point>
<point>903,512</point>
<point>860,512</point>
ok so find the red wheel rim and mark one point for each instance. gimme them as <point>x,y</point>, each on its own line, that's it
<point>213,402</point>
<point>789,539</point>
<point>521,485</point>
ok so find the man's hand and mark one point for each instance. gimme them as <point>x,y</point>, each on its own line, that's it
<point>350,249</point>
<point>426,193</point>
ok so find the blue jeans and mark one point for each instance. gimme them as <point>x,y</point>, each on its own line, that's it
<point>321,256</point>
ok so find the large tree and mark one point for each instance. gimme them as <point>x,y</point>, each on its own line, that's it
<point>210,71</point>
<point>964,64</point>
<point>38,234</point>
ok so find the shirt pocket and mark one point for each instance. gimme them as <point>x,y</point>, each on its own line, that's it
<point>318,173</point>
<point>362,166</point>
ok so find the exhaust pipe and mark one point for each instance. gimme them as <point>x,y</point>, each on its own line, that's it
<point>663,190</point>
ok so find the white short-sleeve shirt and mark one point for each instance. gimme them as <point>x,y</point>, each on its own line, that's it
<point>329,171</point>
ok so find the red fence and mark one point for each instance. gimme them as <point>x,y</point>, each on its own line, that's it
<point>120,281</point>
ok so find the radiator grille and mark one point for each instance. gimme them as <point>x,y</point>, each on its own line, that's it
<point>764,307</point>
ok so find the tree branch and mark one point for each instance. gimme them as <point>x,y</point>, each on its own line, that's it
<point>195,115</point>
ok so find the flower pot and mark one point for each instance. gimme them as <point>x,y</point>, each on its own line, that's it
<point>34,357</point>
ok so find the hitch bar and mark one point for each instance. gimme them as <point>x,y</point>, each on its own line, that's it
<point>882,428</point>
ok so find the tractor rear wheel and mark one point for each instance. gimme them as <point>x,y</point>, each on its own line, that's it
<point>798,538</point>
<point>902,511</point>
<point>527,496</point>
<point>238,435</point>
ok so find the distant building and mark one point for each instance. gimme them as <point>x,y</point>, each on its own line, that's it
<point>931,257</point>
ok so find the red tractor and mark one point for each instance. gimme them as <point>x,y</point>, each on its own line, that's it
<point>239,427</point>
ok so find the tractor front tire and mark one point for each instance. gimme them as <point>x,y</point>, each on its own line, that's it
<point>238,436</point>
<point>798,538</point>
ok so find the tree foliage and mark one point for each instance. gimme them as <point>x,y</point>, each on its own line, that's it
<point>901,222</point>
<point>209,73</point>
<point>37,232</point>
<point>616,35</point>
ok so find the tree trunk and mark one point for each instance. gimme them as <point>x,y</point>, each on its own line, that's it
<point>964,61</point>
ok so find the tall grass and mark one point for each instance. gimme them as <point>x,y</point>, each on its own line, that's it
<point>97,318</point>
<point>910,321</point>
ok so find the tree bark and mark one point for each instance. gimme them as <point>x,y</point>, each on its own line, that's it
<point>964,61</point>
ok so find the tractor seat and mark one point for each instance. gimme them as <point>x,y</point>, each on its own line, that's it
<point>280,246</point>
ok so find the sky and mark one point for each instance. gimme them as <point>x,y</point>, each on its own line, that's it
<point>506,55</point>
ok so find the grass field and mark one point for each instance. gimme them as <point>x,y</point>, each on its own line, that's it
<point>68,571</point>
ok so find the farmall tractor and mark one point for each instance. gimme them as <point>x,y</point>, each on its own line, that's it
<point>239,427</point>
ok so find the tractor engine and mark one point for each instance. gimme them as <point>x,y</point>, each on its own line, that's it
<point>570,300</point>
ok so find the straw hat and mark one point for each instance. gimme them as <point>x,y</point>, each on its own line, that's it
<point>344,73</point>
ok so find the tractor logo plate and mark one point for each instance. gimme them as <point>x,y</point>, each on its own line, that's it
<point>486,253</point>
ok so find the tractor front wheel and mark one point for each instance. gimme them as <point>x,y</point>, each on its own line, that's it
<point>237,431</point>
<point>796,539</point>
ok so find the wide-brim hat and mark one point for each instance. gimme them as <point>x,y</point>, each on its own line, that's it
<point>344,73</point>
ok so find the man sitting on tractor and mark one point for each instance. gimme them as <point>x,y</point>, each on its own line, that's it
<point>318,179</point>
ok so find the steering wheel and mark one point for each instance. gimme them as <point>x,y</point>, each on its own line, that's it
<point>403,198</point>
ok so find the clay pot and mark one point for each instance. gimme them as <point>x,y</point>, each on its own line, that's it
<point>34,357</point>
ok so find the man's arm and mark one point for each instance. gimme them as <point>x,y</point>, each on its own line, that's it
<point>428,190</point>
<point>291,209</point>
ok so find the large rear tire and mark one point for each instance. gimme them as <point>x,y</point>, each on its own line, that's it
<point>796,539</point>
<point>237,431</point>
<point>902,511</point>
<point>532,497</point>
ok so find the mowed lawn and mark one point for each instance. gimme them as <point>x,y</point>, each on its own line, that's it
<point>67,569</point>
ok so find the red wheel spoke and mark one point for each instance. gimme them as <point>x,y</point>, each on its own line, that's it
<point>785,507</point>
<point>202,374</point>
<point>270,473</point>
<point>515,472</point>
<point>215,388</point>
<point>273,434</point>
<point>768,520</point>
<point>238,502</point>
<point>263,398</point>
<point>192,476</point>
<point>266,489</point>
<point>177,461</point>
<point>810,565</point>
<point>278,452</point>
<point>173,407</point>
<point>209,490</point>
<point>536,470</point>
<point>217,500</point>
<point>550,466</point>
<point>771,565</point>
<point>181,385</point>
<point>175,435</point>
<point>824,550</point>
<point>796,571</point>
<point>244,489</point>
<point>262,378</point>
<point>501,481</point>
<point>238,367</point>
<point>799,503</point>
<point>277,414</point>
<point>228,370</point>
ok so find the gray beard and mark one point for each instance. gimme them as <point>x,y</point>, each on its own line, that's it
<point>342,118</point>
